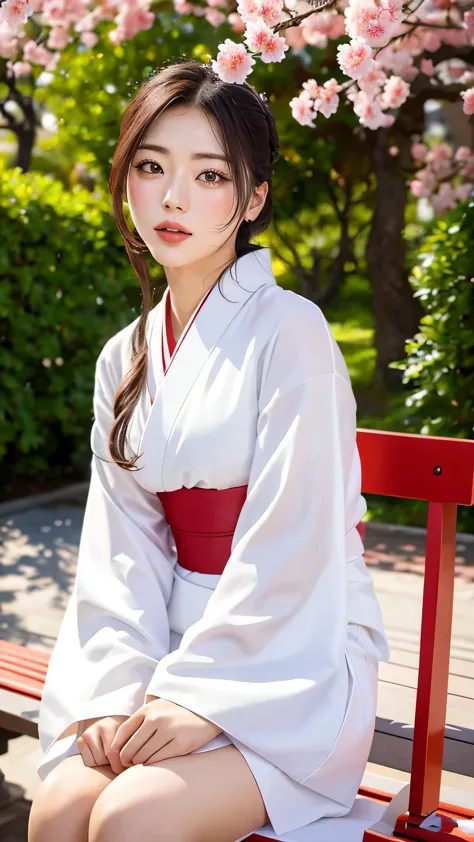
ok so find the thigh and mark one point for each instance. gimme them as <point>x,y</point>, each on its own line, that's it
<point>62,806</point>
<point>210,796</point>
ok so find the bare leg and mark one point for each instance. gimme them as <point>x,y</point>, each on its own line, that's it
<point>62,806</point>
<point>211,796</point>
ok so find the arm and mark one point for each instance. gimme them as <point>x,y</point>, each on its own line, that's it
<point>115,628</point>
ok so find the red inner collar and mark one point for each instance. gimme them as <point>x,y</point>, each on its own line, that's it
<point>169,327</point>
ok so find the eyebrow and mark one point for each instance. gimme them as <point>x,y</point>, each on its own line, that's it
<point>196,156</point>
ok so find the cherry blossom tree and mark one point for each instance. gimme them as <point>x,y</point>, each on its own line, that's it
<point>388,58</point>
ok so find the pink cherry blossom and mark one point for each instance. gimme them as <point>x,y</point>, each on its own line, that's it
<point>463,153</point>
<point>21,69</point>
<point>467,170</point>
<point>463,191</point>
<point>257,35</point>
<point>14,13</point>
<point>440,154</point>
<point>274,49</point>
<point>355,59</point>
<point>302,109</point>
<point>248,9</point>
<point>236,22</point>
<point>8,47</point>
<point>233,63</point>
<point>63,12</point>
<point>426,66</point>
<point>294,36</point>
<point>327,100</point>
<point>215,17</point>
<point>432,42</point>
<point>445,199</point>
<point>416,188</point>
<point>318,29</point>
<point>427,179</point>
<point>89,39</point>
<point>370,113</point>
<point>312,88</point>
<point>270,11</point>
<point>372,23</point>
<point>408,74</point>
<point>372,81</point>
<point>469,24</point>
<point>419,151</point>
<point>58,38</point>
<point>395,93</point>
<point>468,105</point>
<point>393,151</point>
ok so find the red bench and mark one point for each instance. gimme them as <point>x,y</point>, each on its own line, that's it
<point>437,470</point>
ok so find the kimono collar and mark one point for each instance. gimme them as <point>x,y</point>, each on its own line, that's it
<point>208,323</point>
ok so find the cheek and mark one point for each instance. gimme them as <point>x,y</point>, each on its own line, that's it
<point>137,194</point>
<point>220,204</point>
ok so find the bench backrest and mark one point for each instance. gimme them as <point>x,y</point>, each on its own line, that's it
<point>440,471</point>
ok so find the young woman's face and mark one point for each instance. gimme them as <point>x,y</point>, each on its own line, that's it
<point>183,183</point>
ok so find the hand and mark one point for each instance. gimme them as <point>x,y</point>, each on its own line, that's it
<point>157,731</point>
<point>94,739</point>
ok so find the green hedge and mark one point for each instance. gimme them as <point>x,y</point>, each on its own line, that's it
<point>66,287</point>
<point>440,357</point>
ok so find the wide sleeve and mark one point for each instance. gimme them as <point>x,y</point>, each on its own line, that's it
<point>115,628</point>
<point>267,661</point>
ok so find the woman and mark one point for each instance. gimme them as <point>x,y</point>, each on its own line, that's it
<point>216,668</point>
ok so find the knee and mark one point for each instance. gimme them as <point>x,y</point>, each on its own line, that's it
<point>114,819</point>
<point>62,806</point>
<point>56,814</point>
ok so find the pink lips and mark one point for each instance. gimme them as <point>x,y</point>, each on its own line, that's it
<point>172,236</point>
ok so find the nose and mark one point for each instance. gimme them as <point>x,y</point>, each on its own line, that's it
<point>174,197</point>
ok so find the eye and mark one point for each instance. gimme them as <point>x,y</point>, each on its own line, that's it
<point>214,172</point>
<point>142,164</point>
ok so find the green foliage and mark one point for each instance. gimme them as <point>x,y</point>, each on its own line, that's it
<point>66,288</point>
<point>439,366</point>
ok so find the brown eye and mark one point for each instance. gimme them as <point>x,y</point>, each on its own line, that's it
<point>152,163</point>
<point>213,173</point>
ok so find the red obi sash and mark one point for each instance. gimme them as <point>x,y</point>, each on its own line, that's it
<point>202,520</point>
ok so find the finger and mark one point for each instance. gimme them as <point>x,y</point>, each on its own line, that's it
<point>171,749</point>
<point>100,755</point>
<point>86,752</point>
<point>152,745</point>
<point>126,730</point>
<point>137,741</point>
<point>113,761</point>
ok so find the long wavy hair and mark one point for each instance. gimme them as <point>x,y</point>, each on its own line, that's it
<point>250,140</point>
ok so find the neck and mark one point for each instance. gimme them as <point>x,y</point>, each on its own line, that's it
<point>189,284</point>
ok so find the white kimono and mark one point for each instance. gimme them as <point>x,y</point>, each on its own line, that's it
<point>281,651</point>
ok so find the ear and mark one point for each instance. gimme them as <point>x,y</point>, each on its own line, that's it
<point>257,201</point>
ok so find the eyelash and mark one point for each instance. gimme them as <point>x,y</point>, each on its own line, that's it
<point>216,172</point>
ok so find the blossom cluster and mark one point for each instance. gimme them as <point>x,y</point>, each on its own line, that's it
<point>446,177</point>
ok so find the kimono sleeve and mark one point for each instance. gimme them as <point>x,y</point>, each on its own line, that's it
<point>115,628</point>
<point>267,661</point>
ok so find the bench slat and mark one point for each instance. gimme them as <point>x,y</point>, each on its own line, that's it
<point>23,667</point>
<point>7,647</point>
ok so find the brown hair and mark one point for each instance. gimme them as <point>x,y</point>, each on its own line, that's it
<point>250,140</point>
